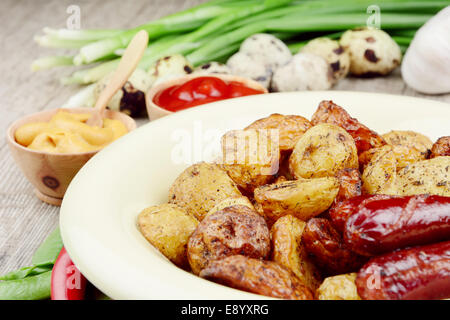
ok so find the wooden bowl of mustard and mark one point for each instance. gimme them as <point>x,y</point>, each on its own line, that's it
<point>49,164</point>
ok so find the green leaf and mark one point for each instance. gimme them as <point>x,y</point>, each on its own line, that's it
<point>49,249</point>
<point>27,271</point>
<point>37,287</point>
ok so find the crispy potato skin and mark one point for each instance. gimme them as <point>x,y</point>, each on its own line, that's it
<point>428,176</point>
<point>229,202</point>
<point>168,228</point>
<point>408,146</point>
<point>304,198</point>
<point>230,231</point>
<point>340,287</point>
<point>327,249</point>
<point>250,157</point>
<point>329,112</point>
<point>291,128</point>
<point>349,184</point>
<point>380,174</point>
<point>257,276</point>
<point>322,151</point>
<point>441,148</point>
<point>283,170</point>
<point>200,187</point>
<point>365,157</point>
<point>288,250</point>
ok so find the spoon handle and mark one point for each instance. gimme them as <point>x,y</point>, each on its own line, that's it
<point>128,63</point>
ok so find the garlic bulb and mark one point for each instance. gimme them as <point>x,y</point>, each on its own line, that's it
<point>426,65</point>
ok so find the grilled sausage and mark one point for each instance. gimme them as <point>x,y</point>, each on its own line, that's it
<point>349,184</point>
<point>327,249</point>
<point>441,147</point>
<point>409,274</point>
<point>340,212</point>
<point>365,139</point>
<point>387,224</point>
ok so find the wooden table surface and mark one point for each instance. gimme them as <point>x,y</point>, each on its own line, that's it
<point>24,220</point>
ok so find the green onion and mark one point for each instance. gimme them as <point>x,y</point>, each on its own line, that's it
<point>179,22</point>
<point>345,21</point>
<point>215,29</point>
<point>50,62</point>
<point>402,41</point>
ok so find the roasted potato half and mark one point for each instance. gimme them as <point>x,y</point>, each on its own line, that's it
<point>322,151</point>
<point>380,174</point>
<point>341,287</point>
<point>229,202</point>
<point>257,276</point>
<point>232,230</point>
<point>303,198</point>
<point>168,228</point>
<point>441,147</point>
<point>250,157</point>
<point>290,128</point>
<point>288,250</point>
<point>408,146</point>
<point>200,187</point>
<point>428,176</point>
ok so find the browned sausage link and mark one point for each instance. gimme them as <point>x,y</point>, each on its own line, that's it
<point>329,112</point>
<point>327,249</point>
<point>384,225</point>
<point>349,184</point>
<point>339,212</point>
<point>257,276</point>
<point>441,147</point>
<point>409,274</point>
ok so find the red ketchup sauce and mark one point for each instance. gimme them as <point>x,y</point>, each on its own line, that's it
<point>199,91</point>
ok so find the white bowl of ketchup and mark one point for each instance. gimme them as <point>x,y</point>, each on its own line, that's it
<point>197,89</point>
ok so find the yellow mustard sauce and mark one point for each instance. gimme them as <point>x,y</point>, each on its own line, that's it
<point>68,133</point>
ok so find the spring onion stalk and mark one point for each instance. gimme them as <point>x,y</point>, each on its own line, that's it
<point>295,47</point>
<point>224,41</point>
<point>402,41</point>
<point>346,21</point>
<point>342,6</point>
<point>153,52</point>
<point>183,21</point>
<point>305,24</point>
<point>403,33</point>
<point>184,44</point>
<point>54,42</point>
<point>215,29</point>
<point>83,98</point>
<point>81,35</point>
<point>50,62</point>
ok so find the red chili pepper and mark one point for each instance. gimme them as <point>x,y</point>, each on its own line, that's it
<point>67,281</point>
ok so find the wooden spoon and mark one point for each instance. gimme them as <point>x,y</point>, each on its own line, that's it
<point>128,63</point>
